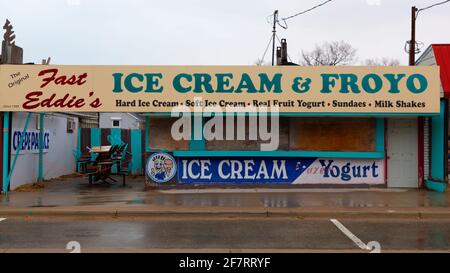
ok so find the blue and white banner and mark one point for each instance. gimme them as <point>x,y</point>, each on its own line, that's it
<point>30,143</point>
<point>307,170</point>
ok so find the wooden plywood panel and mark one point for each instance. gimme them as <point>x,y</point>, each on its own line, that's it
<point>247,144</point>
<point>332,134</point>
<point>105,132</point>
<point>160,137</point>
<point>125,136</point>
<point>85,140</point>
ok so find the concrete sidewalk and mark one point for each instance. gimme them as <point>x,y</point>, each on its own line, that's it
<point>74,197</point>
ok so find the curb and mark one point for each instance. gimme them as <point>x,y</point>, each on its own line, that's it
<point>112,212</point>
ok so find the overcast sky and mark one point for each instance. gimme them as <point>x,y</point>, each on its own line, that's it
<point>209,32</point>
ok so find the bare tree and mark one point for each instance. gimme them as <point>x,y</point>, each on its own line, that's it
<point>330,53</point>
<point>260,62</point>
<point>382,62</point>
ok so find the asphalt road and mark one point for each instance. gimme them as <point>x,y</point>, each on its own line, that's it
<point>222,235</point>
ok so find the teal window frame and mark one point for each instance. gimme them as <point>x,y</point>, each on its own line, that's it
<point>197,148</point>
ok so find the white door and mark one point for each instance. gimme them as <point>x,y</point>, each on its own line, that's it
<point>402,153</point>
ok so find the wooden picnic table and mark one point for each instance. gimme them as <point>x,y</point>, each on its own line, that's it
<point>103,163</point>
<point>100,149</point>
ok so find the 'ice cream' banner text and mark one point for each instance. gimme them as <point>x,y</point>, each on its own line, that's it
<point>208,88</point>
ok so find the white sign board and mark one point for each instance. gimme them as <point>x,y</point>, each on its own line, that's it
<point>30,142</point>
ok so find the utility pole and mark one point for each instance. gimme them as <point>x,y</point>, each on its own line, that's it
<point>420,120</point>
<point>412,45</point>
<point>41,138</point>
<point>41,148</point>
<point>274,31</point>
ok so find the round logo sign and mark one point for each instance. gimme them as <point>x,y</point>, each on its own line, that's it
<point>161,167</point>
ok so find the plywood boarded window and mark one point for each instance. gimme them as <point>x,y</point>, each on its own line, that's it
<point>249,144</point>
<point>332,134</point>
<point>295,134</point>
<point>159,135</point>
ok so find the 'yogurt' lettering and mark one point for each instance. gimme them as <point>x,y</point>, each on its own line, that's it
<point>347,171</point>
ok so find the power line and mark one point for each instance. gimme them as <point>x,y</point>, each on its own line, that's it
<point>434,5</point>
<point>276,22</point>
<point>268,18</point>
<point>308,10</point>
<point>303,12</point>
<point>267,48</point>
<point>431,6</point>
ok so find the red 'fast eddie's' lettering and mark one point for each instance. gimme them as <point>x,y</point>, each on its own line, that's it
<point>61,80</point>
<point>33,101</point>
<point>37,99</point>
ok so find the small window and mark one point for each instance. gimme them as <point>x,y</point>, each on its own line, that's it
<point>116,123</point>
<point>70,125</point>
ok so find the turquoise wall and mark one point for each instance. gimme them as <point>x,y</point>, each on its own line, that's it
<point>438,144</point>
<point>115,137</point>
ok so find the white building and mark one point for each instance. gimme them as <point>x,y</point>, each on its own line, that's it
<point>60,140</point>
<point>121,120</point>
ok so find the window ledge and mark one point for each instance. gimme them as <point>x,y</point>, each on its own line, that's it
<point>375,155</point>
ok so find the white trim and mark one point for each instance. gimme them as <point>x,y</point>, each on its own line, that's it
<point>135,117</point>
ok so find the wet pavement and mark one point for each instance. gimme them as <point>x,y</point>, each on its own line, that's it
<point>221,235</point>
<point>209,231</point>
<point>77,192</point>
